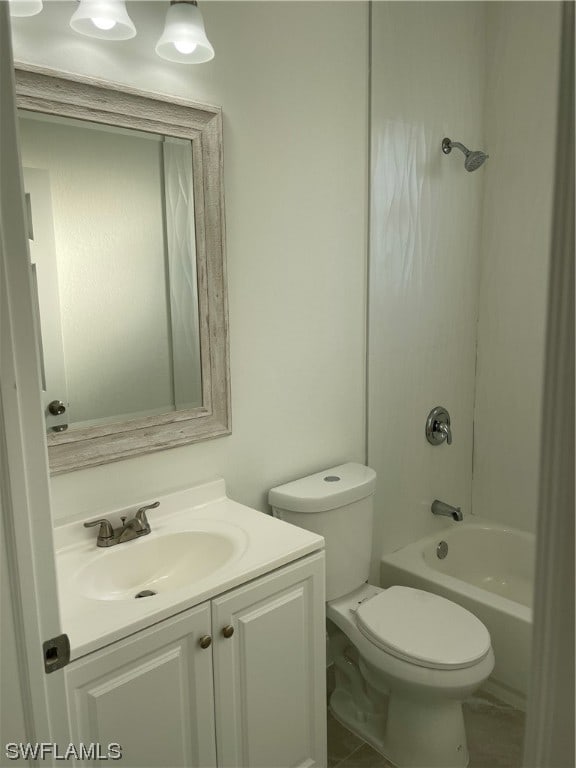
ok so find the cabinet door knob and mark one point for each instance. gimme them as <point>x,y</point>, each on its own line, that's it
<point>205,641</point>
<point>228,631</point>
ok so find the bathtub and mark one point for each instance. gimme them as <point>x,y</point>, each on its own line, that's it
<point>488,569</point>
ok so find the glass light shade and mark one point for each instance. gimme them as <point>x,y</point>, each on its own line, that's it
<point>184,39</point>
<point>105,19</point>
<point>25,7</point>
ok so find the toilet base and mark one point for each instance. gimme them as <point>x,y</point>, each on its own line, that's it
<point>425,733</point>
<point>369,727</point>
<point>354,702</point>
<point>412,734</point>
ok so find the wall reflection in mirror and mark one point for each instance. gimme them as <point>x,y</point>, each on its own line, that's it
<point>112,243</point>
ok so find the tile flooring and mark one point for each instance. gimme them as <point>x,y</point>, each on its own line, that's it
<point>495,735</point>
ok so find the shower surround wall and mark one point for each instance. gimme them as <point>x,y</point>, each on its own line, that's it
<point>459,261</point>
<point>523,47</point>
<point>427,83</point>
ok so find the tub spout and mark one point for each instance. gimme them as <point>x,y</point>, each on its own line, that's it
<point>447,510</point>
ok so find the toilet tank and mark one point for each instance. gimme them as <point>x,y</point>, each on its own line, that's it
<point>338,504</point>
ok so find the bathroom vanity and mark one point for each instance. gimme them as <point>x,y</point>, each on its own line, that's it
<point>227,669</point>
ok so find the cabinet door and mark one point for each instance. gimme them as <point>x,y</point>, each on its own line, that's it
<point>152,694</point>
<point>270,674</point>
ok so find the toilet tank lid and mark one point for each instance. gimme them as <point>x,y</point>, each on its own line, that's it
<point>329,489</point>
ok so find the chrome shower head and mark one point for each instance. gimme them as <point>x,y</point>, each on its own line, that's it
<point>475,160</point>
<point>472,159</point>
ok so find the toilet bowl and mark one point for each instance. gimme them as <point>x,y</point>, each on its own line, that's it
<point>405,659</point>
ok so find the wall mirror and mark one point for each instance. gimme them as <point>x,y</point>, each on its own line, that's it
<point>124,196</point>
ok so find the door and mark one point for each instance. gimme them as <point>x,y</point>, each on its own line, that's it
<point>46,293</point>
<point>270,670</point>
<point>152,695</point>
<point>24,482</point>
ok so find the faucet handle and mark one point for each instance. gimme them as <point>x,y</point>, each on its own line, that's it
<point>106,530</point>
<point>444,428</point>
<point>438,428</point>
<point>141,513</point>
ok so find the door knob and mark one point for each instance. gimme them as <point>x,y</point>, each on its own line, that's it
<point>205,641</point>
<point>228,631</point>
<point>57,407</point>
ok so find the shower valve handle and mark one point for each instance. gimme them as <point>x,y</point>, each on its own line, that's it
<point>438,429</point>
<point>444,429</point>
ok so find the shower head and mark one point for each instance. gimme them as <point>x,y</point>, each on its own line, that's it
<point>472,160</point>
<point>475,160</point>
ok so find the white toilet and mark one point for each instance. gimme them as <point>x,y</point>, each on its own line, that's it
<point>405,659</point>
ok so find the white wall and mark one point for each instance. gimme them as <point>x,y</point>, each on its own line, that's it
<point>108,221</point>
<point>427,83</point>
<point>523,40</point>
<point>292,80</point>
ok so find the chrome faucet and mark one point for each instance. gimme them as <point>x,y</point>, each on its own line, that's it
<point>441,508</point>
<point>137,526</point>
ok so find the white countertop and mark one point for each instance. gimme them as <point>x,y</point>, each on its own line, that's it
<point>261,544</point>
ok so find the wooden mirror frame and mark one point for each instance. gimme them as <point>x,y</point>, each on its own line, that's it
<point>53,93</point>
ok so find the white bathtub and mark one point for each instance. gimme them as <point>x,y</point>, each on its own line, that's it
<point>489,569</point>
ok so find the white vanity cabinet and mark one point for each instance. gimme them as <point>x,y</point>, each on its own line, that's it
<point>254,698</point>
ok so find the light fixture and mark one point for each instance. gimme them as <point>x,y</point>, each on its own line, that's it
<point>25,7</point>
<point>184,39</point>
<point>105,19</point>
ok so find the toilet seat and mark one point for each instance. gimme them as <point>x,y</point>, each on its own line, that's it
<point>423,629</point>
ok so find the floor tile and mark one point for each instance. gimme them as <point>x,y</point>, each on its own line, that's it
<point>495,733</point>
<point>365,757</point>
<point>341,742</point>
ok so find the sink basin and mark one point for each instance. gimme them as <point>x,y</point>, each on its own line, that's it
<point>154,565</point>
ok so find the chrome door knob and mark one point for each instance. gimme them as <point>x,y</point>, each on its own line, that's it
<point>228,631</point>
<point>57,407</point>
<point>205,641</point>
